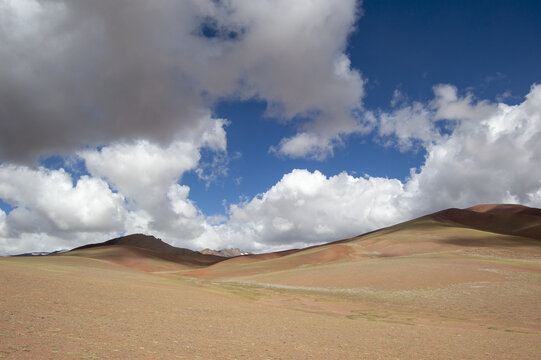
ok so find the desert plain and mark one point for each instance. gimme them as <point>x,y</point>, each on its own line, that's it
<point>458,284</point>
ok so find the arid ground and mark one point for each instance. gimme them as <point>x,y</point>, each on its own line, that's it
<point>458,284</point>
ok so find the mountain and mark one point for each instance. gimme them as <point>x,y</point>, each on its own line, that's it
<point>497,218</point>
<point>42,253</point>
<point>476,230</point>
<point>225,252</point>
<point>455,284</point>
<point>146,253</point>
<point>479,230</point>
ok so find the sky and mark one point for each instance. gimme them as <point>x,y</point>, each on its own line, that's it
<point>262,125</point>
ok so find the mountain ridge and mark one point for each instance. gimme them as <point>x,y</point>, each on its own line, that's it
<point>485,225</point>
<point>508,219</point>
<point>148,245</point>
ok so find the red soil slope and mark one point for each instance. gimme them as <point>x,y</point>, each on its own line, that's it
<point>486,226</point>
<point>492,225</point>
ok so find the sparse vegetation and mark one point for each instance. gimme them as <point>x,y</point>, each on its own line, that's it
<point>405,292</point>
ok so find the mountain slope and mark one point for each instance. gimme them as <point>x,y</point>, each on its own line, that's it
<point>455,284</point>
<point>497,218</point>
<point>495,229</point>
<point>145,253</point>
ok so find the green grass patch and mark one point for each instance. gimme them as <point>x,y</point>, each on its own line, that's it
<point>512,262</point>
<point>374,316</point>
<point>398,322</point>
<point>521,331</point>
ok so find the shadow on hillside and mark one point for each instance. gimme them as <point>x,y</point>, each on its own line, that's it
<point>492,241</point>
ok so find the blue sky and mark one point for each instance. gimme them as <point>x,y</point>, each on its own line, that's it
<point>253,170</point>
<point>487,47</point>
<point>314,122</point>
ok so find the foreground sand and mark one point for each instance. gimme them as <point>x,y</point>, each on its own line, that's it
<point>457,284</point>
<point>70,307</point>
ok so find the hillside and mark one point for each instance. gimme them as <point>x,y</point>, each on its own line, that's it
<point>495,229</point>
<point>492,227</point>
<point>457,284</point>
<point>145,253</point>
<point>497,218</point>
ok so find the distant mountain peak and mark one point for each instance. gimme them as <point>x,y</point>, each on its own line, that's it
<point>232,252</point>
<point>156,247</point>
<point>150,242</point>
<point>136,240</point>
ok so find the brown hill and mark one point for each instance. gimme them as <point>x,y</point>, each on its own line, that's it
<point>497,218</point>
<point>456,284</point>
<point>491,228</point>
<point>506,208</point>
<point>145,253</point>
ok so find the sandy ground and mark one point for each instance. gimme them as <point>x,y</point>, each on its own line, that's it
<point>68,307</point>
<point>431,288</point>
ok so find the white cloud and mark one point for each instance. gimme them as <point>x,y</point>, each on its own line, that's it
<point>3,225</point>
<point>421,124</point>
<point>48,198</point>
<point>451,107</point>
<point>147,174</point>
<point>491,155</point>
<point>141,170</point>
<point>214,135</point>
<point>147,80</point>
<point>293,56</point>
<point>408,125</point>
<point>306,208</point>
<point>304,145</point>
<point>144,171</point>
<point>281,224</point>
<point>178,198</point>
<point>52,213</point>
<point>147,197</point>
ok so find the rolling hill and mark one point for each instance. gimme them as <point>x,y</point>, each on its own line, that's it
<point>146,253</point>
<point>456,284</point>
<point>494,227</point>
<point>484,228</point>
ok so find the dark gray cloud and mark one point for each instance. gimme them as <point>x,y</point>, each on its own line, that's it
<point>84,73</point>
<point>78,73</point>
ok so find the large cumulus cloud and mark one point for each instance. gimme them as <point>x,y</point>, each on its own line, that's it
<point>78,73</point>
<point>128,88</point>
<point>50,211</point>
<point>492,154</point>
<point>484,152</point>
<point>306,208</point>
